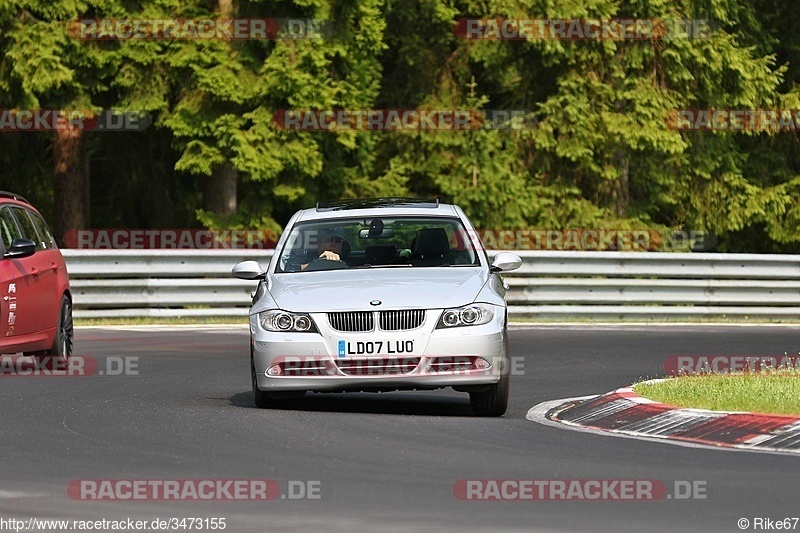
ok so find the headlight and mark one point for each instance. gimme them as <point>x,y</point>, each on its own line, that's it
<point>469,315</point>
<point>278,320</point>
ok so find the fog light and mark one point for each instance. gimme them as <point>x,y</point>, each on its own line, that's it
<point>274,370</point>
<point>482,364</point>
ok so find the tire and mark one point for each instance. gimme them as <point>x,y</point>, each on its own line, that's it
<point>260,398</point>
<point>494,401</point>
<point>58,356</point>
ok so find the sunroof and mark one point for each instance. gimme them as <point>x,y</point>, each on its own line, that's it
<point>367,203</point>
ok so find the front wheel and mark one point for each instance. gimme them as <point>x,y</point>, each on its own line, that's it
<point>266,400</point>
<point>58,356</point>
<point>260,398</point>
<point>494,400</point>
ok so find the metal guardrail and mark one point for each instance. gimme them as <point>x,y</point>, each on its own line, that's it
<point>549,285</point>
<point>159,283</point>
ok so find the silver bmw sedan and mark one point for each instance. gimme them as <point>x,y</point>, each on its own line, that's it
<point>380,295</point>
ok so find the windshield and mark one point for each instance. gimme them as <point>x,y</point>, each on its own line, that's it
<point>411,242</point>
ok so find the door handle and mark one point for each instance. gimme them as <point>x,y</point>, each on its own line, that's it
<point>54,267</point>
<point>34,272</point>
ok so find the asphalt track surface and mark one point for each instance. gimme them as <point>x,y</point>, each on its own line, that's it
<point>385,462</point>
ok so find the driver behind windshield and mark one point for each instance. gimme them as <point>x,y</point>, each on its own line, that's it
<point>331,245</point>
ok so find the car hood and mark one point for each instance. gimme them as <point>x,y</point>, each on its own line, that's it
<point>396,288</point>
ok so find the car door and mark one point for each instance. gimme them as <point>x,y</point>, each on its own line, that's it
<point>54,269</point>
<point>17,321</point>
<point>42,297</point>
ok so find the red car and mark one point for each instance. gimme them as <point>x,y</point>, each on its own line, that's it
<point>35,298</point>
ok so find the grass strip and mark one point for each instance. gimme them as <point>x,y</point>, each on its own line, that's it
<point>770,392</point>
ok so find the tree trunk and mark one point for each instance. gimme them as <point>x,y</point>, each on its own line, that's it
<point>70,182</point>
<point>622,194</point>
<point>225,8</point>
<point>221,189</point>
<point>221,186</point>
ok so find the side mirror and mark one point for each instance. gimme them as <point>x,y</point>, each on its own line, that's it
<point>21,248</point>
<point>248,270</point>
<point>505,261</point>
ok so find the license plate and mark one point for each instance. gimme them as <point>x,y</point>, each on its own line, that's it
<point>347,349</point>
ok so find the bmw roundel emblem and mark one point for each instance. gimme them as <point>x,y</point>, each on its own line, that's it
<point>375,302</point>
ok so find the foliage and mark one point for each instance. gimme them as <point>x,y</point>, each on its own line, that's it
<point>596,151</point>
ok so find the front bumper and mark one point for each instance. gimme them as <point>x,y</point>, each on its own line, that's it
<point>460,356</point>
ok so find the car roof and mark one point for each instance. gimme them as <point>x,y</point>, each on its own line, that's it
<point>377,207</point>
<point>5,195</point>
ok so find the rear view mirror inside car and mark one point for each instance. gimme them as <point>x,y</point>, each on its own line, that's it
<point>386,233</point>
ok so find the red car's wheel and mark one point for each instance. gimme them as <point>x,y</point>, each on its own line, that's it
<point>58,356</point>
